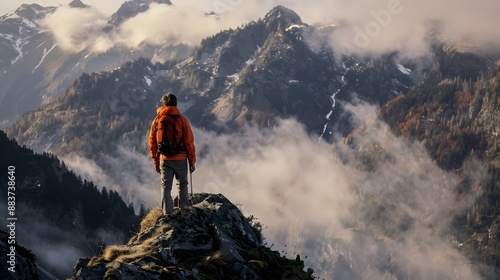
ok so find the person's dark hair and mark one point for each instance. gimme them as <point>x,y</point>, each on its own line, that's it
<point>169,99</point>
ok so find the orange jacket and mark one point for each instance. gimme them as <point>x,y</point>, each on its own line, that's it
<point>188,138</point>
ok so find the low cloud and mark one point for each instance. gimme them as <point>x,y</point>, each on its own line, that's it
<point>378,207</point>
<point>57,245</point>
<point>382,26</point>
<point>319,201</point>
<point>75,29</point>
<point>187,23</point>
<point>163,24</point>
<point>132,175</point>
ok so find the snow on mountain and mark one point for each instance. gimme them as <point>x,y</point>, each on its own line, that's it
<point>16,30</point>
<point>404,70</point>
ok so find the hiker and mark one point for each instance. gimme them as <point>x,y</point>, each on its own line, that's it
<point>175,150</point>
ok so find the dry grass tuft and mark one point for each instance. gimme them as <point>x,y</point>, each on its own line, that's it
<point>112,252</point>
<point>151,219</point>
<point>217,257</point>
<point>124,254</point>
<point>94,261</point>
<point>133,255</point>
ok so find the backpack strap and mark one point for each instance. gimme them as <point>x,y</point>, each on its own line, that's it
<point>181,141</point>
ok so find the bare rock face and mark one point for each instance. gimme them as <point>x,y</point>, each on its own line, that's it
<point>211,239</point>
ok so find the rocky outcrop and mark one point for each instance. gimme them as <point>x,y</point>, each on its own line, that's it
<point>211,240</point>
<point>18,263</point>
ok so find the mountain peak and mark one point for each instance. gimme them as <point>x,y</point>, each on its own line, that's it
<point>78,4</point>
<point>32,11</point>
<point>212,239</point>
<point>130,9</point>
<point>283,14</point>
<point>163,2</point>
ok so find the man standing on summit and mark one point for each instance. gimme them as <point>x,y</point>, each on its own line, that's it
<point>171,143</point>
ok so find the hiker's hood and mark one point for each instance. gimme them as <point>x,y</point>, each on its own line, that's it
<point>167,110</point>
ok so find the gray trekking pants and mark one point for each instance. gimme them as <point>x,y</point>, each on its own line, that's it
<point>169,168</point>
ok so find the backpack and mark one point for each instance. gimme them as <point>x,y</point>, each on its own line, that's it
<point>169,135</point>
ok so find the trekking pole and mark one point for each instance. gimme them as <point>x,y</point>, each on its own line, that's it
<point>191,179</point>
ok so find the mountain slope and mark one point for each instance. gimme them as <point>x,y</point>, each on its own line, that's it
<point>23,267</point>
<point>34,68</point>
<point>456,115</point>
<point>23,46</point>
<point>57,212</point>
<point>17,28</point>
<point>249,76</point>
<point>278,67</point>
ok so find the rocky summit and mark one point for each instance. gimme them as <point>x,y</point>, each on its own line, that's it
<point>210,240</point>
